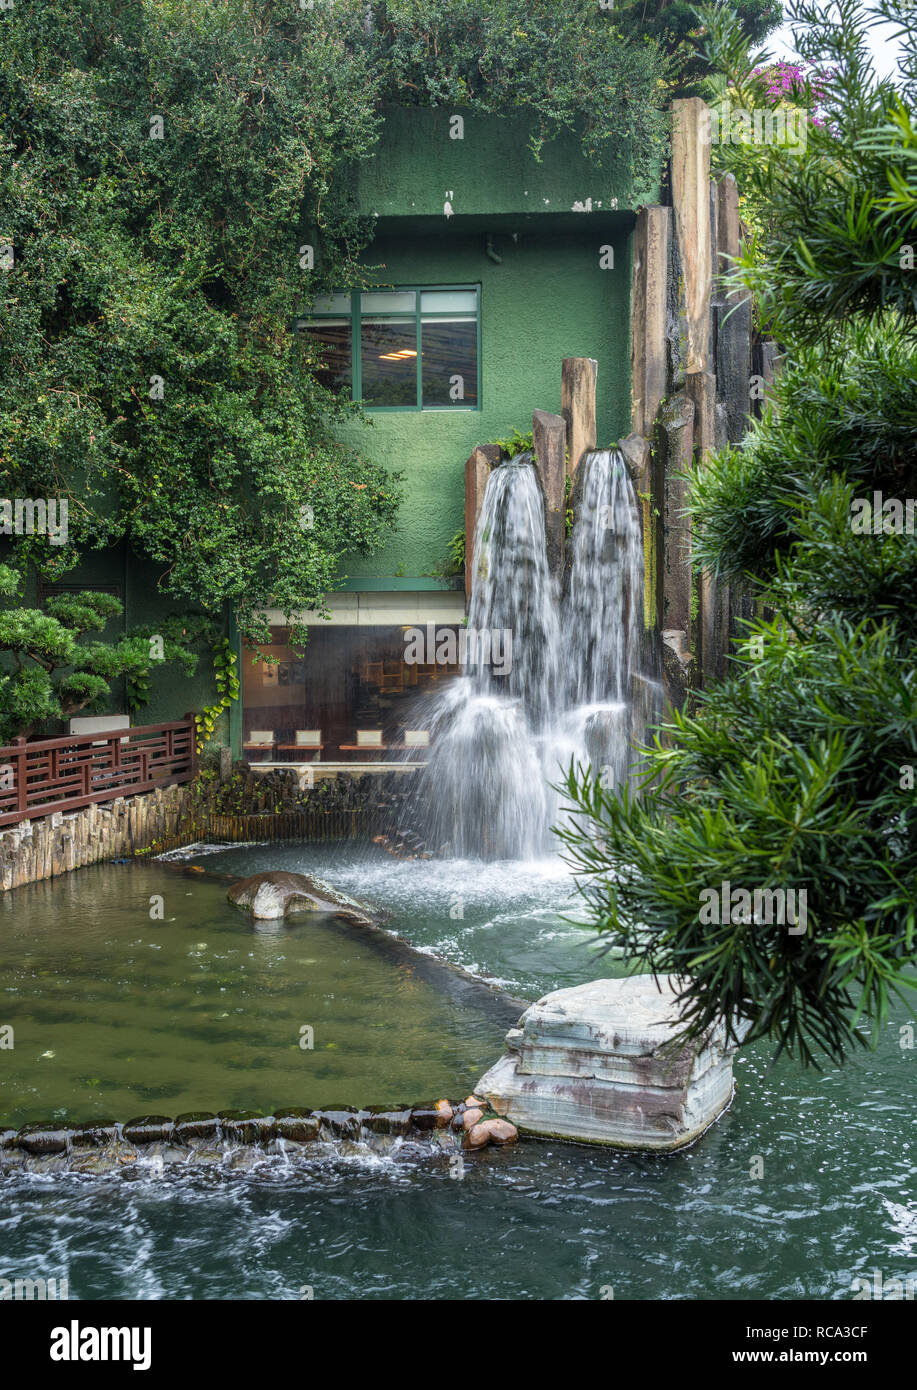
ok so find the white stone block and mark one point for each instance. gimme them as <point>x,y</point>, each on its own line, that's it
<point>596,1064</point>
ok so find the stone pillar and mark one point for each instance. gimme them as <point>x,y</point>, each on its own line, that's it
<point>701,390</point>
<point>691,200</point>
<point>639,457</point>
<point>712,624</point>
<point>771,363</point>
<point>477,471</point>
<point>648,315</point>
<point>550,436</point>
<point>732,311</point>
<point>577,404</point>
<point>676,446</point>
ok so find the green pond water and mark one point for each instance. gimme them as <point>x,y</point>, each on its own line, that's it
<point>117,1014</point>
<point>806,1183</point>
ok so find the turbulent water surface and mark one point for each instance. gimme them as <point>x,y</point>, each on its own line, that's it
<point>204,1011</point>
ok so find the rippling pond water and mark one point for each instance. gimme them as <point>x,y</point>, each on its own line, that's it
<point>116,1014</point>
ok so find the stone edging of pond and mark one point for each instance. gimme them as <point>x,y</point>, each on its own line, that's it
<point>202,1137</point>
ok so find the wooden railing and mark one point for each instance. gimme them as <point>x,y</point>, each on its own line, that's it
<point>63,774</point>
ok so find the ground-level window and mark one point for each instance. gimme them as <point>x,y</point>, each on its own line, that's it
<point>349,697</point>
<point>403,349</point>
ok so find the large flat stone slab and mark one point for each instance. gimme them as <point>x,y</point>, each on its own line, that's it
<point>596,1064</point>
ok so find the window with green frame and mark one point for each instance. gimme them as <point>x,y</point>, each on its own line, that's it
<point>414,348</point>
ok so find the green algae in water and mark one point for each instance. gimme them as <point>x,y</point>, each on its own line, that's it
<point>117,1013</point>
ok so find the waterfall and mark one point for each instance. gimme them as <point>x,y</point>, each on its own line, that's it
<point>498,740</point>
<point>603,617</point>
<point>603,622</point>
<point>513,591</point>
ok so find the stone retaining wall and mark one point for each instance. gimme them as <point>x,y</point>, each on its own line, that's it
<point>246,806</point>
<point>40,849</point>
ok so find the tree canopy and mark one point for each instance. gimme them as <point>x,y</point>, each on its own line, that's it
<point>796,774</point>
<point>174,192</point>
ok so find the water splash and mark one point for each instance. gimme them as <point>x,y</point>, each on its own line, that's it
<point>577,689</point>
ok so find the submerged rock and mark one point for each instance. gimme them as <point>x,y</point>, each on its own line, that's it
<point>280,894</point>
<point>393,1121</point>
<point>501,1131</point>
<point>44,1139</point>
<point>247,1126</point>
<point>597,1064</point>
<point>477,1137</point>
<point>94,1136</point>
<point>297,1125</point>
<point>339,1122</point>
<point>195,1124</point>
<point>148,1129</point>
<point>426,1117</point>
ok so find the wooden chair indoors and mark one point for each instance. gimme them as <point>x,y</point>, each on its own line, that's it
<point>414,740</point>
<point>260,741</point>
<point>307,746</point>
<point>368,741</point>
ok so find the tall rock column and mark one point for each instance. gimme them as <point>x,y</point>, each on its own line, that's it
<point>691,201</point>
<point>649,357</point>
<point>549,434</point>
<point>694,214</point>
<point>577,405</point>
<point>482,459</point>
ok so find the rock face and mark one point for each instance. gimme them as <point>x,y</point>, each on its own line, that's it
<point>269,896</point>
<point>590,1064</point>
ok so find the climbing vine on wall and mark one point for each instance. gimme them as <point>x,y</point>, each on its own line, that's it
<point>228,686</point>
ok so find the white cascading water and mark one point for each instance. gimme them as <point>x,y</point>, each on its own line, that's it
<point>498,742</point>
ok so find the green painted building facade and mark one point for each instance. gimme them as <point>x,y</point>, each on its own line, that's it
<point>554,283</point>
<point>541,250</point>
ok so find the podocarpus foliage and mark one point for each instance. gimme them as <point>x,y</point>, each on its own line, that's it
<point>798,771</point>
<point>841,220</point>
<point>175,192</point>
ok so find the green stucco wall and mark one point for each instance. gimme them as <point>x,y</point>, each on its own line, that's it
<point>490,172</point>
<point>549,299</point>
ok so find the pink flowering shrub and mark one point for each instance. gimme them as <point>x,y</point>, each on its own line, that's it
<point>789,82</point>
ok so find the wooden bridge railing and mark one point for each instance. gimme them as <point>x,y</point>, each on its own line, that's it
<point>63,774</point>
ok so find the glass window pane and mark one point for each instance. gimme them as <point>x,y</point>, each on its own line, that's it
<point>389,362</point>
<point>350,697</point>
<point>389,302</point>
<point>450,362</point>
<point>449,301</point>
<point>332,339</point>
<point>332,304</point>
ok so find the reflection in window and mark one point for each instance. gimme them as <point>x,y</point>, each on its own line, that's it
<point>404,349</point>
<point>332,338</point>
<point>449,362</point>
<point>388,351</point>
<point>350,696</point>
